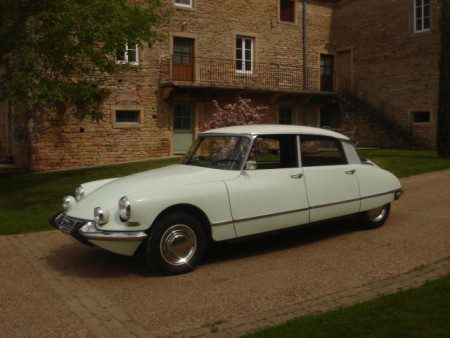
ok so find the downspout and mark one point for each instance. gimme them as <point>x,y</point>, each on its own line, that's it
<point>305,69</point>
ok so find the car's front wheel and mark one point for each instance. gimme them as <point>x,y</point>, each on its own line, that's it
<point>176,243</point>
<point>375,218</point>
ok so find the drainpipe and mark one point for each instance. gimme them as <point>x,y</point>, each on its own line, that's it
<point>305,69</point>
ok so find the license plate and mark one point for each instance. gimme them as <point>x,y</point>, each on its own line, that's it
<point>66,224</point>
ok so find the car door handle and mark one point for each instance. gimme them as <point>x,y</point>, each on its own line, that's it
<point>297,176</point>
<point>350,172</point>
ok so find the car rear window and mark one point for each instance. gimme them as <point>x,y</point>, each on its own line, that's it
<point>321,151</point>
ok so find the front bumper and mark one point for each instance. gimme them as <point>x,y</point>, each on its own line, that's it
<point>85,231</point>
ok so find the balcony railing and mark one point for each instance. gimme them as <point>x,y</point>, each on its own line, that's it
<point>257,75</point>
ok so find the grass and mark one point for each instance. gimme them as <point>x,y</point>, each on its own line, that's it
<point>421,312</point>
<point>27,201</point>
<point>405,163</point>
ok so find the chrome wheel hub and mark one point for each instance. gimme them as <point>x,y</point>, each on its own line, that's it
<point>377,214</point>
<point>178,244</point>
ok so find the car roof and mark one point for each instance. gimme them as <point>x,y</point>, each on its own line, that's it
<point>275,129</point>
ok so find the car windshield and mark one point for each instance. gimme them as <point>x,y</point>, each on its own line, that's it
<point>218,152</point>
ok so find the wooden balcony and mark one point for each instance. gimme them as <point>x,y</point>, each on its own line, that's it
<point>194,72</point>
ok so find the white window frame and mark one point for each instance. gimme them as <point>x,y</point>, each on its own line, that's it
<point>125,56</point>
<point>190,5</point>
<point>420,3</point>
<point>244,60</point>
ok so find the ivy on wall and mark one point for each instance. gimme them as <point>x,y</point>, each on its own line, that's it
<point>443,134</point>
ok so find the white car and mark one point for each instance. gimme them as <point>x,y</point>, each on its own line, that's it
<point>233,182</point>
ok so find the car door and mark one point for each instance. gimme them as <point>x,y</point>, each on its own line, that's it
<point>272,196</point>
<point>331,182</point>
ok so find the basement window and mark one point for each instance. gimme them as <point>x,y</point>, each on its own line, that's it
<point>287,10</point>
<point>420,117</point>
<point>128,116</point>
<point>184,3</point>
<point>421,15</point>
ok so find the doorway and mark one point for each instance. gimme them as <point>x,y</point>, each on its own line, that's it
<point>183,59</point>
<point>326,72</point>
<point>183,127</point>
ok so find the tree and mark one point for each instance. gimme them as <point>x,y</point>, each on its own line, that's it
<point>57,54</point>
<point>443,134</point>
<point>241,112</point>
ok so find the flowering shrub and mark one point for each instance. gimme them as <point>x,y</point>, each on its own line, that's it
<point>241,112</point>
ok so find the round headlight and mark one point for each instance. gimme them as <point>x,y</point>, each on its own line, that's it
<point>79,193</point>
<point>124,209</point>
<point>101,216</point>
<point>68,203</point>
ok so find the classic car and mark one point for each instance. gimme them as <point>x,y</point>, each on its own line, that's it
<point>233,182</point>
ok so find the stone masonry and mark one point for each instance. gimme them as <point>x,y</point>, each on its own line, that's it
<point>387,58</point>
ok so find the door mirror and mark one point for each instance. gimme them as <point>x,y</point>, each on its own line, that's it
<point>251,165</point>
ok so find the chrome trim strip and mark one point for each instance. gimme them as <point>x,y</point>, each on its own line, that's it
<point>304,209</point>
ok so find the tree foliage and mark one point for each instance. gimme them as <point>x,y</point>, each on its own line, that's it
<point>58,54</point>
<point>444,85</point>
<point>241,112</point>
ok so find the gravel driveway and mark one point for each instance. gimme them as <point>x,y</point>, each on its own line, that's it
<point>51,285</point>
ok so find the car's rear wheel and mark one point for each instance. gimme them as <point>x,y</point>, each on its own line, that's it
<point>376,217</point>
<point>176,243</point>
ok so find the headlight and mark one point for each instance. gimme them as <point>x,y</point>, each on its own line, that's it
<point>101,216</point>
<point>68,203</point>
<point>79,193</point>
<point>124,209</point>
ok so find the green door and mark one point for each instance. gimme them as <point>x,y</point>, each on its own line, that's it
<point>183,127</point>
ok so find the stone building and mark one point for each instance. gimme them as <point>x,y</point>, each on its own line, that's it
<point>363,67</point>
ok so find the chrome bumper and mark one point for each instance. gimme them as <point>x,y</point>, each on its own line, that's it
<point>85,230</point>
<point>89,231</point>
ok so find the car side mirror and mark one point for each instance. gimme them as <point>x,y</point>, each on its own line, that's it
<point>251,165</point>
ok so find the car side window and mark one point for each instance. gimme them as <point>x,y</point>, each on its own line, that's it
<point>274,152</point>
<point>321,151</point>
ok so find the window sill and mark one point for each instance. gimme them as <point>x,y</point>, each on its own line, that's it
<point>184,8</point>
<point>127,125</point>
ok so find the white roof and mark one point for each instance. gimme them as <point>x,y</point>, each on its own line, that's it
<point>275,129</point>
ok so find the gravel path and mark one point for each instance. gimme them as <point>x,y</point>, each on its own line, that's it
<point>53,286</point>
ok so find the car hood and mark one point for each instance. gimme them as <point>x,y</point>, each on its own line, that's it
<point>108,194</point>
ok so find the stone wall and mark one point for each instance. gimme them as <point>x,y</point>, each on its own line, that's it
<point>390,61</point>
<point>69,143</point>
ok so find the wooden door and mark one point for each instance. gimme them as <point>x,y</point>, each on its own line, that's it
<point>183,59</point>
<point>343,68</point>
<point>326,72</point>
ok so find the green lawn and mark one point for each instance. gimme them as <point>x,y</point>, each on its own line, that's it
<point>27,201</point>
<point>421,312</point>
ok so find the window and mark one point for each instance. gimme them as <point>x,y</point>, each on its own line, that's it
<point>329,118</point>
<point>326,72</point>
<point>286,115</point>
<point>321,151</point>
<point>183,116</point>
<point>421,117</point>
<point>128,116</point>
<point>244,54</point>
<point>274,152</point>
<point>129,55</point>
<point>184,3</point>
<point>421,15</point>
<point>287,10</point>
